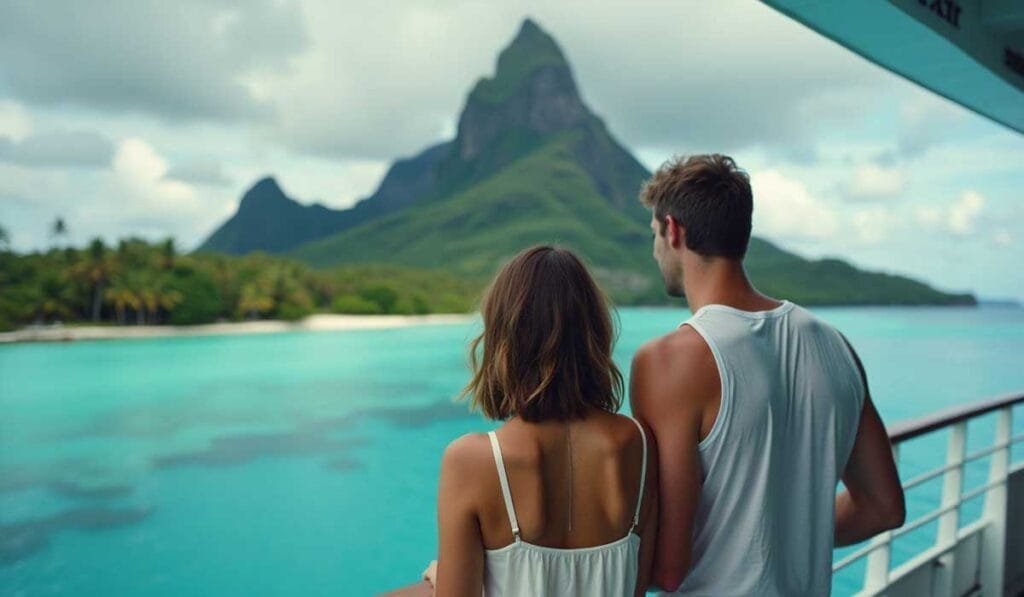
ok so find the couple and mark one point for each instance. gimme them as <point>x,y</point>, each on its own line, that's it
<point>747,416</point>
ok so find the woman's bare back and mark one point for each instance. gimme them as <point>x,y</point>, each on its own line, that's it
<point>595,509</point>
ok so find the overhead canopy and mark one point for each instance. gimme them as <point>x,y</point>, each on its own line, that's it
<point>969,51</point>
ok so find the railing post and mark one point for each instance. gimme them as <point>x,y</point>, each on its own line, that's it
<point>949,523</point>
<point>876,573</point>
<point>994,537</point>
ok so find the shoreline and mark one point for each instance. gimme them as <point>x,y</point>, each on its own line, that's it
<point>313,323</point>
<point>322,322</point>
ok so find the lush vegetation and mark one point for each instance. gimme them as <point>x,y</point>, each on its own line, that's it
<point>138,282</point>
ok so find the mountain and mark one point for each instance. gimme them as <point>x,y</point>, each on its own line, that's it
<point>531,97</point>
<point>531,163</point>
<point>268,220</point>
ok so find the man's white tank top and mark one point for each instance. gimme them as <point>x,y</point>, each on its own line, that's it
<point>791,401</point>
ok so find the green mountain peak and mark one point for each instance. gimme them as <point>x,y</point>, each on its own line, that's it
<point>531,50</point>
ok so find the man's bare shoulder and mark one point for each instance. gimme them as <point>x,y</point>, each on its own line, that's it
<point>682,349</point>
<point>673,370</point>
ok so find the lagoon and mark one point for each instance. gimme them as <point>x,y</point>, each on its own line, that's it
<point>306,462</point>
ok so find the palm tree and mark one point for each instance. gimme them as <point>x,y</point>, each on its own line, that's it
<point>96,271</point>
<point>167,254</point>
<point>5,239</point>
<point>155,295</point>
<point>148,296</point>
<point>122,297</point>
<point>54,299</point>
<point>256,299</point>
<point>127,291</point>
<point>169,298</point>
<point>59,229</point>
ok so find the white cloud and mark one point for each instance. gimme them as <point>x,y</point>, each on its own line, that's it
<point>872,225</point>
<point>1003,238</point>
<point>963,213</point>
<point>959,217</point>
<point>929,216</point>
<point>872,181</point>
<point>15,122</point>
<point>138,178</point>
<point>784,207</point>
<point>130,199</point>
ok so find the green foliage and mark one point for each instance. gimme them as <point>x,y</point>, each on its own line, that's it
<point>355,305</point>
<point>201,302</point>
<point>383,296</point>
<point>149,283</point>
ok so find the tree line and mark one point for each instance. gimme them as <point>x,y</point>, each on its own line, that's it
<point>139,282</point>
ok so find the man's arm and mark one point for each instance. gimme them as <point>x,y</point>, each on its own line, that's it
<point>873,501</point>
<point>460,553</point>
<point>667,387</point>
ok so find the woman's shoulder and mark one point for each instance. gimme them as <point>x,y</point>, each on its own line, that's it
<point>467,451</point>
<point>620,433</point>
<point>627,428</point>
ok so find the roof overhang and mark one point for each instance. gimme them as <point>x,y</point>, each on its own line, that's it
<point>969,51</point>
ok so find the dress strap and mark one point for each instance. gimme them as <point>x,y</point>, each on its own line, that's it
<point>499,463</point>
<point>643,475</point>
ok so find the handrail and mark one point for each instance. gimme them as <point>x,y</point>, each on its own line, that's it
<point>905,430</point>
<point>878,574</point>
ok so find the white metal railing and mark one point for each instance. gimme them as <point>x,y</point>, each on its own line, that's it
<point>878,575</point>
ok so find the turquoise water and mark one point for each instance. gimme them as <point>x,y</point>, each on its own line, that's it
<point>306,463</point>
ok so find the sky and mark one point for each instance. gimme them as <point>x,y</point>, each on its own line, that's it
<point>152,118</point>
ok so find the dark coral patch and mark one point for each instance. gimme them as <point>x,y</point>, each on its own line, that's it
<point>20,539</point>
<point>238,449</point>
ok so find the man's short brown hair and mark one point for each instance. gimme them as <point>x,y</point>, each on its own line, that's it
<point>710,197</point>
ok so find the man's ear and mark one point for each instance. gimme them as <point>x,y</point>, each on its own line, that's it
<point>676,234</point>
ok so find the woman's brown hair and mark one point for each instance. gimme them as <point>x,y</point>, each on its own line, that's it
<point>547,342</point>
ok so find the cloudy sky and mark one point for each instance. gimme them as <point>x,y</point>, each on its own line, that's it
<point>152,118</point>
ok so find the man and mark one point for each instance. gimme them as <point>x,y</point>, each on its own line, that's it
<point>757,409</point>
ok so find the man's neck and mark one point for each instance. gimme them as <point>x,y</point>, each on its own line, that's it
<point>722,282</point>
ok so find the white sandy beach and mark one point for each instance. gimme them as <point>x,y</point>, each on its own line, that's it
<point>317,323</point>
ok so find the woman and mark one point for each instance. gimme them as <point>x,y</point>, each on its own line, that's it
<point>560,500</point>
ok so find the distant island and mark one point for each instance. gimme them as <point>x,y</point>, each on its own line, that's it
<point>530,163</point>
<point>1007,303</point>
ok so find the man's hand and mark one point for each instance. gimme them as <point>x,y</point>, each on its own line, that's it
<point>430,573</point>
<point>873,501</point>
<point>424,588</point>
<point>420,589</point>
